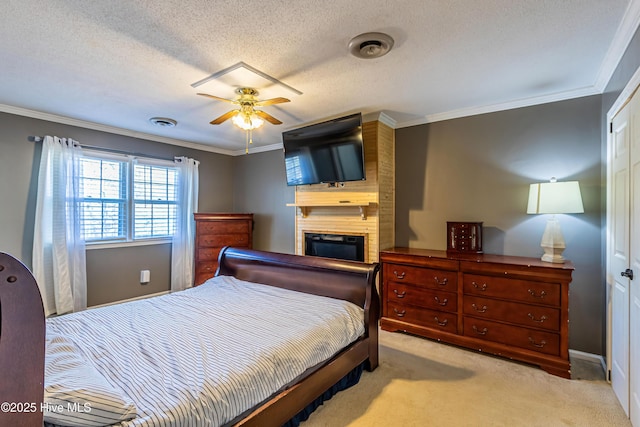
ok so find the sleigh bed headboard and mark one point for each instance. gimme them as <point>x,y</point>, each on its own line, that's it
<point>347,280</point>
<point>22,331</point>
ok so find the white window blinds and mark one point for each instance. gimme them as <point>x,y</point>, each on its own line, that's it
<point>126,198</point>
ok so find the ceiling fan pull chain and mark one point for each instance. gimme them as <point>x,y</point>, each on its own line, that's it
<point>246,150</point>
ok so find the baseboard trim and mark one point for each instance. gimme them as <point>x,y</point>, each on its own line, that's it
<point>157,294</point>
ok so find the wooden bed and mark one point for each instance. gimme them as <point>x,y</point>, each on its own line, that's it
<point>22,330</point>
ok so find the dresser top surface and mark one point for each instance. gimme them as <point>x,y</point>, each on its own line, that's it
<point>221,215</point>
<point>474,257</point>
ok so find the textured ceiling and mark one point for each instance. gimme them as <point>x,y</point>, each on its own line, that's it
<point>114,64</point>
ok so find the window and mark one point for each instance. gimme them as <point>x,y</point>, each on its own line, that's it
<point>124,199</point>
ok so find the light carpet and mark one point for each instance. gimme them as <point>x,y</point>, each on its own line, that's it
<point>424,383</point>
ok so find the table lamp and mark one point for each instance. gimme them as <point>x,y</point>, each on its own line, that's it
<point>554,198</point>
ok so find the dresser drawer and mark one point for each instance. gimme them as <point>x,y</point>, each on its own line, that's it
<point>215,231</point>
<point>427,277</point>
<point>206,267</point>
<point>208,254</point>
<point>439,300</point>
<point>219,240</point>
<point>512,289</point>
<point>224,227</point>
<point>535,316</point>
<point>420,316</point>
<point>540,341</point>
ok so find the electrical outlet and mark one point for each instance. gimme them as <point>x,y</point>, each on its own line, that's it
<point>145,276</point>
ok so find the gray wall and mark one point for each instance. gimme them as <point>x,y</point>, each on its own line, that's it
<point>479,169</point>
<point>260,187</point>
<point>112,274</point>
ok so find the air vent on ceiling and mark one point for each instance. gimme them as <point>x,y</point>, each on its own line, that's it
<point>370,45</point>
<point>163,121</point>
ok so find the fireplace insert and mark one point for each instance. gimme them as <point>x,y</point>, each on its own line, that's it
<point>341,246</point>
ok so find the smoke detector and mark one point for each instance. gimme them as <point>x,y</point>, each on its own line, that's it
<point>163,122</point>
<point>370,45</point>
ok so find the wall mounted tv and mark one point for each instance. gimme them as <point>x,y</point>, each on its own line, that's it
<point>327,152</point>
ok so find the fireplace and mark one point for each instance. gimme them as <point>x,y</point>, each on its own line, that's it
<point>341,246</point>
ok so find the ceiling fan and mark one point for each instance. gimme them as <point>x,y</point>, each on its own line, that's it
<point>247,117</point>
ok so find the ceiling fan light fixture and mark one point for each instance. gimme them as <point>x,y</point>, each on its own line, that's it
<point>247,122</point>
<point>370,45</point>
<point>163,122</point>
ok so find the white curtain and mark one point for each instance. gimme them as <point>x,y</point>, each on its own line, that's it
<point>59,264</point>
<point>182,256</point>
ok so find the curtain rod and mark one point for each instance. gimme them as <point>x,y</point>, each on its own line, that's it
<point>113,150</point>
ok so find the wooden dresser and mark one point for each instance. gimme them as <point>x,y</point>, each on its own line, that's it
<point>513,307</point>
<point>215,231</point>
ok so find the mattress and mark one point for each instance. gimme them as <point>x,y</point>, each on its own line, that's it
<point>199,357</point>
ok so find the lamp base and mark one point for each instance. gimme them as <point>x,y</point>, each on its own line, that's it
<point>553,242</point>
<point>553,257</point>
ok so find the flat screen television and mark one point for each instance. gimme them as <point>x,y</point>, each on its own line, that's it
<point>326,152</point>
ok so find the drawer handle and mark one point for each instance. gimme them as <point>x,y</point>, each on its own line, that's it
<point>481,288</point>
<point>443,303</point>
<point>399,275</point>
<point>479,310</point>
<point>540,320</point>
<point>400,313</point>
<point>399,294</point>
<point>535,344</point>
<point>482,332</point>
<point>533,294</point>
<point>443,323</point>
<point>442,282</point>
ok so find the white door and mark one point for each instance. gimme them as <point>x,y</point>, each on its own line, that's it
<point>619,256</point>
<point>634,285</point>
<point>625,258</point>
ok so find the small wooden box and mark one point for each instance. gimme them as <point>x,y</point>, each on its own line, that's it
<point>464,237</point>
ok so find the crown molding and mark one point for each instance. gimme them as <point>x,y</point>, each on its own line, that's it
<point>627,29</point>
<point>520,103</point>
<point>381,117</point>
<point>261,149</point>
<point>627,92</point>
<point>110,129</point>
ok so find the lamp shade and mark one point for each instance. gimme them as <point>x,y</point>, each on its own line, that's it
<point>555,198</point>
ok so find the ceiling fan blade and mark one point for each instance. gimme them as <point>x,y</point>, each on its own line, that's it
<point>218,98</point>
<point>271,101</point>
<point>226,116</point>
<point>268,117</point>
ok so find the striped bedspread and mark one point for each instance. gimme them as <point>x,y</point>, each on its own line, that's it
<point>205,355</point>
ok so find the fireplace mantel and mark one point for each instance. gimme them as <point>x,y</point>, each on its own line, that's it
<point>303,208</point>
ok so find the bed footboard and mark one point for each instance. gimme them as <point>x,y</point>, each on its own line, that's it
<point>22,330</point>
